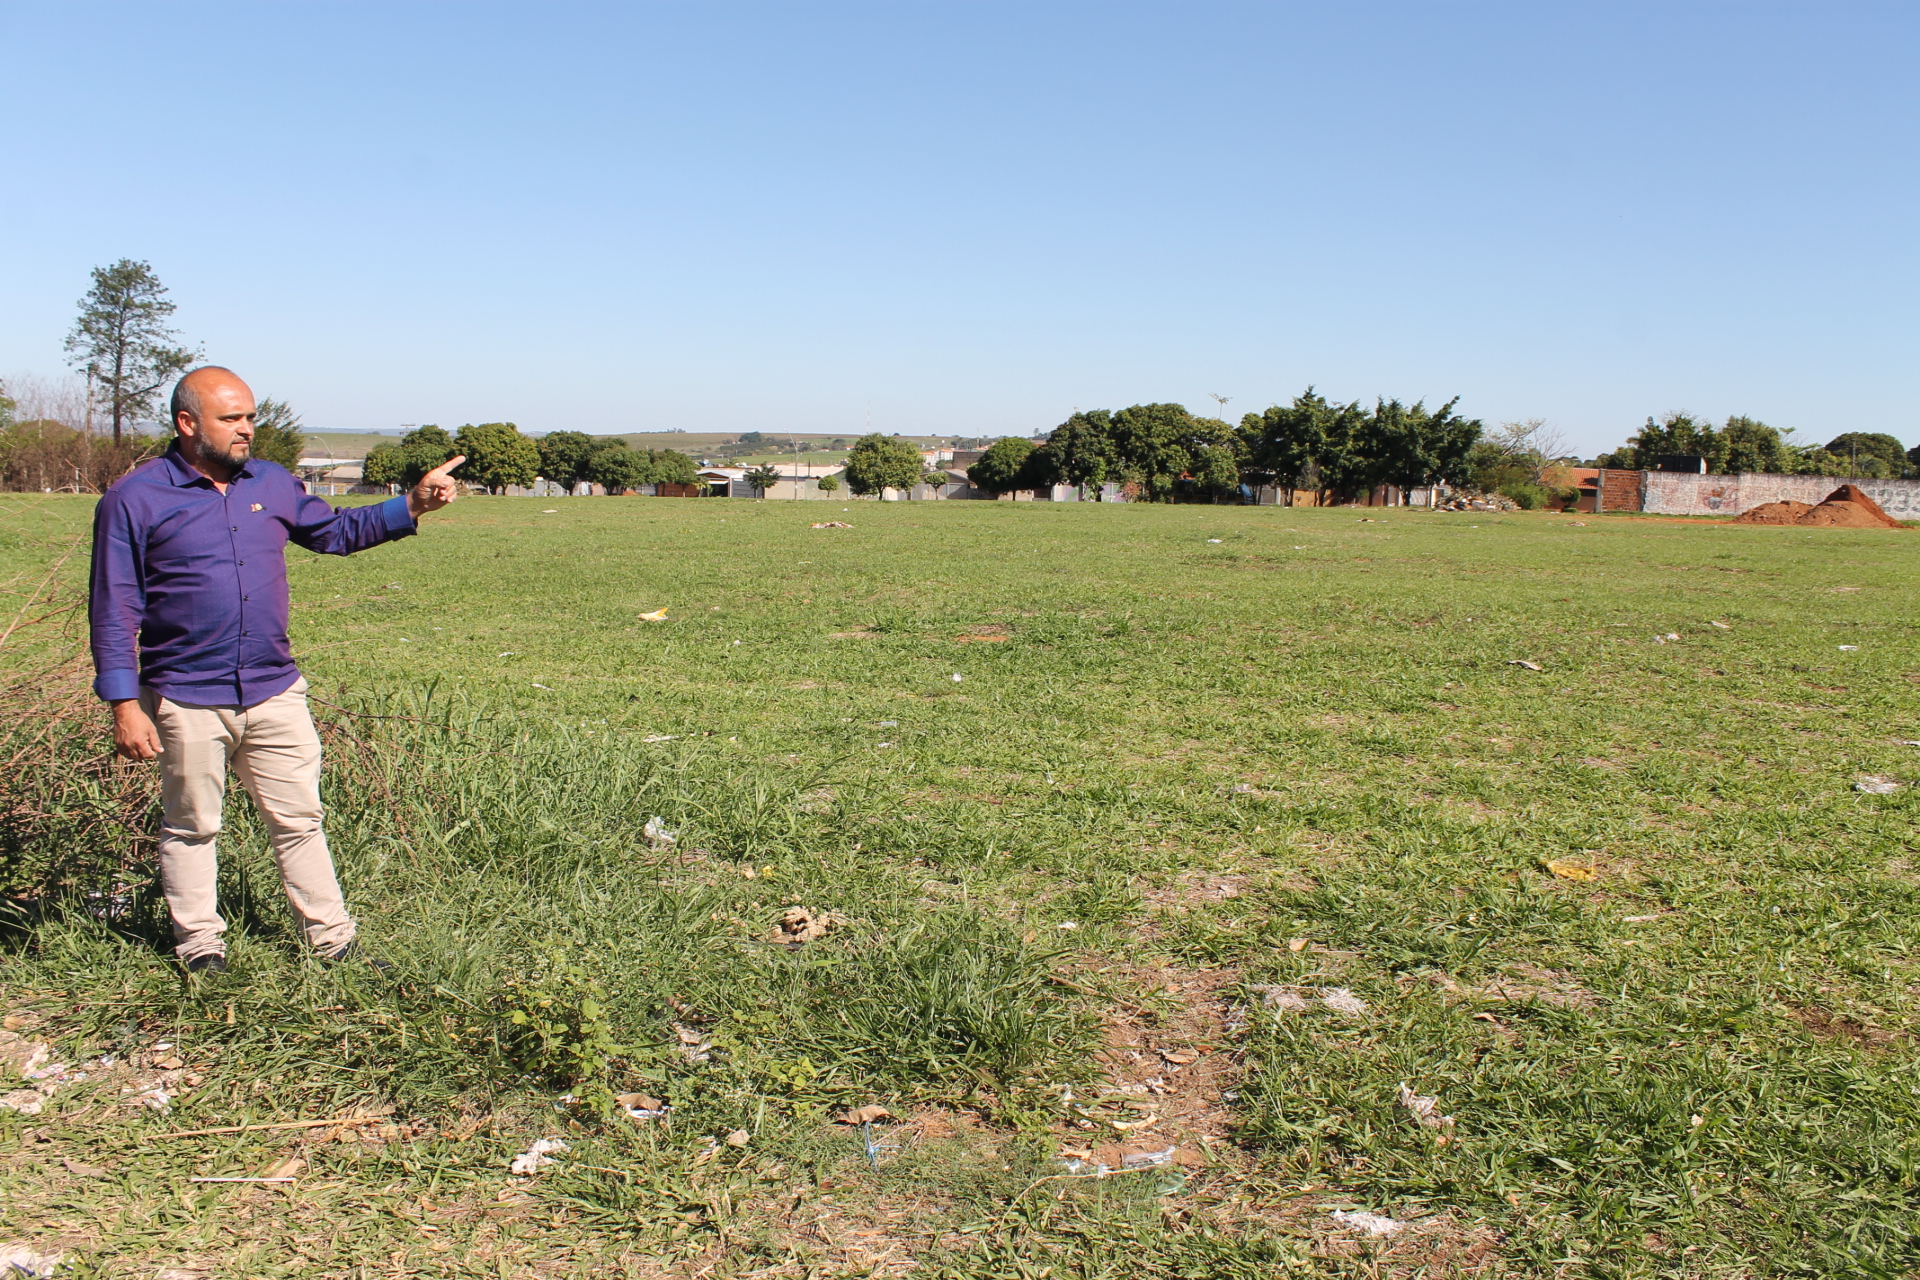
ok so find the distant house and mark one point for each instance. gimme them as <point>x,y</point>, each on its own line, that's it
<point>797,481</point>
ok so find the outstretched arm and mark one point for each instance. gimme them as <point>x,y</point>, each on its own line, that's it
<point>342,531</point>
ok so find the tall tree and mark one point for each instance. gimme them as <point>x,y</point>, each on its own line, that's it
<point>877,462</point>
<point>762,478</point>
<point>1747,444</point>
<point>276,433</point>
<point>1411,447</point>
<point>1286,442</point>
<point>1082,448</point>
<point>564,455</point>
<point>497,456</point>
<point>123,341</point>
<point>1676,434</point>
<point>617,468</point>
<point>1001,467</point>
<point>1872,454</point>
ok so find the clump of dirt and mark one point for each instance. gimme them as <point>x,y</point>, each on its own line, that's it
<point>1845,508</point>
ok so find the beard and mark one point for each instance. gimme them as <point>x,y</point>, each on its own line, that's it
<point>233,457</point>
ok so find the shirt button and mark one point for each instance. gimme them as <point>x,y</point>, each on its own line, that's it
<point>234,528</point>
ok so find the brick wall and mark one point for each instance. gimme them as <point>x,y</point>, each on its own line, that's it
<point>1620,490</point>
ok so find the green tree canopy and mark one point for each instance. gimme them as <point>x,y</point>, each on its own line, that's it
<point>878,462</point>
<point>617,468</point>
<point>1001,468</point>
<point>564,455</point>
<point>276,433</point>
<point>763,478</point>
<point>827,484</point>
<point>1870,454</point>
<point>123,340</point>
<point>1081,449</point>
<point>419,451</point>
<point>670,466</point>
<point>1747,444</point>
<point>497,456</point>
<point>1411,447</point>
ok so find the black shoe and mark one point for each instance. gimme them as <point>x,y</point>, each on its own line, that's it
<point>212,962</point>
<point>352,951</point>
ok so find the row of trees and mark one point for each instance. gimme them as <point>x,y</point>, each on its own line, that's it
<point>1746,444</point>
<point>1162,453</point>
<point>499,456</point>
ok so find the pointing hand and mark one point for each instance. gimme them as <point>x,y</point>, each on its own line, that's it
<point>435,490</point>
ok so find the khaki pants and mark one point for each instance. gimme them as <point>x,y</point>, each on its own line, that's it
<point>275,750</point>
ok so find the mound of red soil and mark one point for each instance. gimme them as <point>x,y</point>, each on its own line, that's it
<point>1845,508</point>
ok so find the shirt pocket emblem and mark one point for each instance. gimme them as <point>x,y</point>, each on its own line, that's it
<point>254,507</point>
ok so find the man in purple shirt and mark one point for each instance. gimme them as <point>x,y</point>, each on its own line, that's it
<point>189,630</point>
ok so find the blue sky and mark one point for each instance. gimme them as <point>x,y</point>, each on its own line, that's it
<point>974,218</point>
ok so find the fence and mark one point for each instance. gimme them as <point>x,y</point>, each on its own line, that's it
<point>1684,493</point>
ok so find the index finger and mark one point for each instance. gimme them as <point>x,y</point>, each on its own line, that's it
<point>448,465</point>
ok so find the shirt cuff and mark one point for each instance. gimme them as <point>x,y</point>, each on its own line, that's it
<point>117,686</point>
<point>399,520</point>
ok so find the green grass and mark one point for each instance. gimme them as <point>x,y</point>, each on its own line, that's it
<point>1698,1062</point>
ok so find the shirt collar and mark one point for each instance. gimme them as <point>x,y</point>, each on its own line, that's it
<point>182,474</point>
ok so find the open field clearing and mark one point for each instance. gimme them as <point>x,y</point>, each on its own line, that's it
<point>1056,831</point>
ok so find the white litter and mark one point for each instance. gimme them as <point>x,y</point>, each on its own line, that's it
<point>1878,784</point>
<point>886,744</point>
<point>551,511</point>
<point>1522,662</point>
<point>1148,1159</point>
<point>24,1260</point>
<point>955,677</point>
<point>1068,924</point>
<point>889,724</point>
<point>1213,540</point>
<point>1285,999</point>
<point>1910,742</point>
<point>27,1102</point>
<point>656,832</point>
<point>1673,635</point>
<point>1371,1224</point>
<point>1849,648</point>
<point>1341,1000</point>
<point>1426,1111</point>
<point>159,1099</point>
<point>660,737</point>
<point>1723,626</point>
<point>536,1157</point>
<point>542,686</point>
<point>508,654</point>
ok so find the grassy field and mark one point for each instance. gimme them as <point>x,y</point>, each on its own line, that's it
<point>1231,831</point>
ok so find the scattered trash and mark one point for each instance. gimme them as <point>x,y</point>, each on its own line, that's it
<point>1341,1000</point>
<point>1180,1057</point>
<point>864,1115</point>
<point>158,1099</point>
<point>1723,626</point>
<point>24,1260</point>
<point>1849,648</point>
<point>831,524</point>
<point>799,926</point>
<point>661,737</point>
<point>738,1138</point>
<point>1068,925</point>
<point>1910,742</point>
<point>1878,784</point>
<point>955,677</point>
<point>1522,662</point>
<point>694,1045</point>
<point>658,615</point>
<point>27,1102</point>
<point>550,511</point>
<point>536,1157</point>
<point>1213,540</point>
<point>508,654</point>
<point>80,1170</point>
<point>1567,869</point>
<point>1637,919</point>
<point>1296,945</point>
<point>656,833</point>
<point>889,724</point>
<point>1285,999</point>
<point>1243,788</point>
<point>640,1106</point>
<point>886,744</point>
<point>1673,635</point>
<point>1084,1167</point>
<point>538,685</point>
<point>1371,1224</point>
<point>1426,1111</point>
<point>1148,1159</point>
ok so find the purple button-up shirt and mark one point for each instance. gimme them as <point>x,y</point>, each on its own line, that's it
<point>199,578</point>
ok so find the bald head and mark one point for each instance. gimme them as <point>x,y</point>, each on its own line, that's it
<point>189,394</point>
<point>213,416</point>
